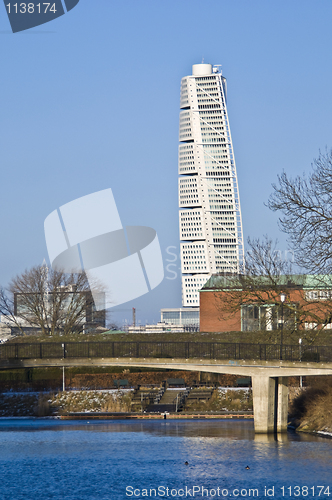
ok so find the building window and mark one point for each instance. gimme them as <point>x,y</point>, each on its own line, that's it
<point>319,295</point>
<point>267,317</point>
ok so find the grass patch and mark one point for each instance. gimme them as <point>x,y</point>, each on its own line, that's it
<point>309,337</point>
<point>90,401</point>
<point>17,405</point>
<point>42,405</point>
<point>311,410</point>
<point>223,400</point>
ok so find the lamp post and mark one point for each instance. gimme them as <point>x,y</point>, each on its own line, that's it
<point>282,300</point>
<point>300,344</point>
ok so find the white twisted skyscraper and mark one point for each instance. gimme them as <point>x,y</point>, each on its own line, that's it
<point>210,214</point>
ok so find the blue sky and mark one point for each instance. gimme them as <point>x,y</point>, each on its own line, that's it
<point>91,101</point>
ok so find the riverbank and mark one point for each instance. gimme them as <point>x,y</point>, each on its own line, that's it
<point>311,409</point>
<point>222,400</point>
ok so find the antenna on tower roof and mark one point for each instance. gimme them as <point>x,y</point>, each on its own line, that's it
<point>202,60</point>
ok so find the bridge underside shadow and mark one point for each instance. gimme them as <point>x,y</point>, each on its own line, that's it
<point>269,378</point>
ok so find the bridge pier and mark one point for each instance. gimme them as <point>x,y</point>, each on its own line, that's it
<point>270,400</point>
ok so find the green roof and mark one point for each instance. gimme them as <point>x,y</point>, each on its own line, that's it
<point>111,332</point>
<point>300,281</point>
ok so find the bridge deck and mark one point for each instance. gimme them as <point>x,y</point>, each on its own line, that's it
<point>247,368</point>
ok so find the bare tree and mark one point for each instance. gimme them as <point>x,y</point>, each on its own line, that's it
<point>263,259</point>
<point>305,204</point>
<point>47,300</point>
<point>258,292</point>
<point>266,277</point>
<point>306,207</point>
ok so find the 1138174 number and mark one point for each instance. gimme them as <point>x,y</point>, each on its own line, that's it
<point>30,8</point>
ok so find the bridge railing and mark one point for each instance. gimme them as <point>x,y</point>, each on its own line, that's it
<point>183,350</point>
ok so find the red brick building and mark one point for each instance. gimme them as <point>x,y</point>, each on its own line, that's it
<point>228,304</point>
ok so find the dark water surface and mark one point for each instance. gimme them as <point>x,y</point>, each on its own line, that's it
<point>97,460</point>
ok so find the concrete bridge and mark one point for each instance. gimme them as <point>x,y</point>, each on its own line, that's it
<point>269,376</point>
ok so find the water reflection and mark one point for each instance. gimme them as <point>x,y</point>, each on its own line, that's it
<point>280,437</point>
<point>239,429</point>
<point>218,428</point>
<point>96,460</point>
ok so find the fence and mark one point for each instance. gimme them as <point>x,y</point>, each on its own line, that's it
<point>183,350</point>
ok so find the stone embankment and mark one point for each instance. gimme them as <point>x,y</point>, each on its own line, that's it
<point>221,400</point>
<point>51,404</point>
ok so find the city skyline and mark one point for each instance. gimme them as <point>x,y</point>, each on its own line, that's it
<point>91,101</point>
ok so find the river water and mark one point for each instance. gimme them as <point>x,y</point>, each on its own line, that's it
<point>113,460</point>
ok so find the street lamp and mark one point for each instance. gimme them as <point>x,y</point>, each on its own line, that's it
<point>282,300</point>
<point>300,344</point>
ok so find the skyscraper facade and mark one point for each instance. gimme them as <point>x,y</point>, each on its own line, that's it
<point>211,239</point>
